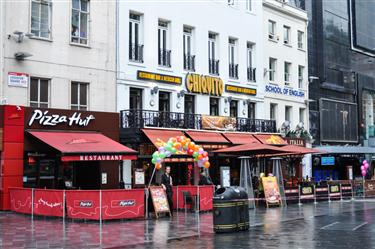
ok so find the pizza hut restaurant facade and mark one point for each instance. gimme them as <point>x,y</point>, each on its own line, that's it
<point>60,150</point>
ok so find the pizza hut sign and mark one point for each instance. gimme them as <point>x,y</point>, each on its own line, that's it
<point>85,204</point>
<point>47,119</point>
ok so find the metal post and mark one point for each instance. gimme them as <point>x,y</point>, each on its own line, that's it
<point>177,200</point>
<point>329,195</point>
<point>198,200</point>
<point>351,185</point>
<point>315,202</point>
<point>341,192</point>
<point>63,205</point>
<point>32,203</point>
<point>147,195</point>
<point>100,206</point>
<point>299,195</point>
<point>364,190</point>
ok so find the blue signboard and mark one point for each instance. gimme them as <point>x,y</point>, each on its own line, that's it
<point>284,91</point>
<point>329,160</point>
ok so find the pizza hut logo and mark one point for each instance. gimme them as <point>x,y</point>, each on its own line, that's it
<point>85,204</point>
<point>127,203</point>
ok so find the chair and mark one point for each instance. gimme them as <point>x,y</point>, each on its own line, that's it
<point>188,199</point>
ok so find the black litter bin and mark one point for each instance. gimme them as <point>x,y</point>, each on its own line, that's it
<point>230,210</point>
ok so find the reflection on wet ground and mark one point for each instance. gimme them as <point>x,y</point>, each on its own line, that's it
<point>325,225</point>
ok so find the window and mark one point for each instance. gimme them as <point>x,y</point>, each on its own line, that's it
<point>250,59</point>
<point>189,58</point>
<point>233,66</point>
<point>287,68</point>
<point>213,64</point>
<point>79,96</point>
<point>135,44</point>
<point>271,30</point>
<point>39,92</point>
<point>301,70</point>
<point>300,38</point>
<point>164,101</point>
<point>233,110</point>
<point>287,35</point>
<point>80,21</point>
<point>288,113</point>
<point>273,109</point>
<point>41,11</point>
<point>214,106</point>
<point>135,99</point>
<point>251,110</point>
<point>163,44</point>
<point>301,114</point>
<point>248,5</point>
<point>189,104</point>
<point>272,69</point>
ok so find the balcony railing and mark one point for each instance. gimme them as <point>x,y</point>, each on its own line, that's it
<point>145,118</point>
<point>233,71</point>
<point>165,58</point>
<point>136,52</point>
<point>189,62</point>
<point>251,72</point>
<point>213,66</point>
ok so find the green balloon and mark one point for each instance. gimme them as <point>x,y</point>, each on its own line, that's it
<point>155,154</point>
<point>173,150</point>
<point>195,154</point>
<point>153,160</point>
<point>162,155</point>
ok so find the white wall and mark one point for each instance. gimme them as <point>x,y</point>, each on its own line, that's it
<point>61,61</point>
<point>205,16</point>
<point>296,19</point>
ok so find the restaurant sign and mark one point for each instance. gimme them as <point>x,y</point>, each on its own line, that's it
<point>92,158</point>
<point>196,83</point>
<point>240,90</point>
<point>162,78</point>
<point>46,119</point>
<point>295,141</point>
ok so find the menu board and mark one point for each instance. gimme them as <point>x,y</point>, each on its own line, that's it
<point>159,200</point>
<point>271,190</point>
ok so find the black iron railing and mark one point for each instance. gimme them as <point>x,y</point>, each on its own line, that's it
<point>251,72</point>
<point>136,52</point>
<point>189,62</point>
<point>233,71</point>
<point>165,58</point>
<point>213,66</point>
<point>145,118</point>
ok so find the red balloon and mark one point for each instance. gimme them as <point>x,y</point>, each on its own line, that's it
<point>205,154</point>
<point>190,152</point>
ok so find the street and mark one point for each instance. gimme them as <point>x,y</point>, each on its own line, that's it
<point>338,224</point>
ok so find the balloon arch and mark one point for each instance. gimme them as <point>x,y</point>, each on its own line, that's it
<point>180,145</point>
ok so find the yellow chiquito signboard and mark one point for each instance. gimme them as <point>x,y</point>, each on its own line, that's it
<point>204,84</point>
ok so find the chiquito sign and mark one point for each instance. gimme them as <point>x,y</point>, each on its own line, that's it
<point>46,119</point>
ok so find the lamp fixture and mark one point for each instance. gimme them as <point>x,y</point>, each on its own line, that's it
<point>154,90</point>
<point>22,55</point>
<point>228,99</point>
<point>312,78</point>
<point>19,35</point>
<point>181,94</point>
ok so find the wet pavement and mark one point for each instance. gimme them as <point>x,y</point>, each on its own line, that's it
<point>347,224</point>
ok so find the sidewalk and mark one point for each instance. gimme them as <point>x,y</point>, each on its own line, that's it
<point>21,231</point>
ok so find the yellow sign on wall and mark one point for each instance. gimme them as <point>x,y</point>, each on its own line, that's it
<point>204,84</point>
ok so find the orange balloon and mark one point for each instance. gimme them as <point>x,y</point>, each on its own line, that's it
<point>173,139</point>
<point>200,157</point>
<point>158,166</point>
<point>177,145</point>
<point>188,140</point>
<point>206,164</point>
<point>191,145</point>
<point>196,148</point>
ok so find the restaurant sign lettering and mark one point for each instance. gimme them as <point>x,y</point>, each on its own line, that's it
<point>156,77</point>
<point>46,119</point>
<point>204,84</point>
<point>240,90</point>
<point>92,158</point>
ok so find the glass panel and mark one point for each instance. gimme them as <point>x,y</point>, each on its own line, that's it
<point>84,5</point>
<point>136,28</point>
<point>44,19</point>
<point>44,91</point>
<point>83,94</point>
<point>188,45</point>
<point>34,90</point>
<point>74,93</point>
<point>130,35</point>
<point>75,24</point>
<point>76,4</point>
<point>35,18</point>
<point>83,30</point>
<point>164,39</point>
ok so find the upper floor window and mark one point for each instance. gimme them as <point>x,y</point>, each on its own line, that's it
<point>248,5</point>
<point>79,96</point>
<point>300,37</point>
<point>251,110</point>
<point>212,55</point>
<point>250,59</point>
<point>163,44</point>
<point>301,70</point>
<point>39,92</point>
<point>288,113</point>
<point>272,69</point>
<point>273,109</point>
<point>214,106</point>
<point>189,57</point>
<point>135,43</point>
<point>302,115</point>
<point>233,66</point>
<point>233,112</point>
<point>271,30</point>
<point>287,35</point>
<point>80,21</point>
<point>41,11</point>
<point>287,68</point>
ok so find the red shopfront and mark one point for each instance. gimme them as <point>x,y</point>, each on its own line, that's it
<point>64,158</point>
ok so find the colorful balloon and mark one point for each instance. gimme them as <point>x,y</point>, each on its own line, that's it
<point>362,168</point>
<point>207,165</point>
<point>205,154</point>
<point>366,165</point>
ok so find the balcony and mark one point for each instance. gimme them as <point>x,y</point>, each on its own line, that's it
<point>144,118</point>
<point>136,52</point>
<point>164,58</point>
<point>189,62</point>
<point>233,71</point>
<point>213,66</point>
<point>251,72</point>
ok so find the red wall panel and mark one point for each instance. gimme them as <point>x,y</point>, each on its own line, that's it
<point>13,133</point>
<point>12,167</point>
<point>14,115</point>
<point>11,181</point>
<point>12,151</point>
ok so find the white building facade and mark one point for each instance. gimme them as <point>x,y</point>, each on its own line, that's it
<point>198,57</point>
<point>58,54</point>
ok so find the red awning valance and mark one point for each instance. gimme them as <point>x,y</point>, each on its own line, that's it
<point>240,138</point>
<point>85,146</point>
<point>160,134</point>
<point>271,139</point>
<point>207,137</point>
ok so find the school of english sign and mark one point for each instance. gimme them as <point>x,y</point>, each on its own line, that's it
<point>284,91</point>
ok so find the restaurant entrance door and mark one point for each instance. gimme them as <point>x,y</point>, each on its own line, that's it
<point>87,175</point>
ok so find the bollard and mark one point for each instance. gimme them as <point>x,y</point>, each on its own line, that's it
<point>329,194</point>
<point>100,206</point>
<point>351,185</point>
<point>340,192</point>
<point>315,202</point>
<point>63,206</point>
<point>299,195</point>
<point>32,203</point>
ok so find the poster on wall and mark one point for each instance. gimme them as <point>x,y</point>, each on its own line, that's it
<point>218,123</point>
<point>139,177</point>
<point>271,190</point>
<point>18,79</point>
<point>225,176</point>
<point>159,200</point>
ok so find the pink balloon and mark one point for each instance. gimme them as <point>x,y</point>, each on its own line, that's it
<point>364,161</point>
<point>363,172</point>
<point>363,168</point>
<point>366,165</point>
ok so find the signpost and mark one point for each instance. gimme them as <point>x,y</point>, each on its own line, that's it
<point>159,200</point>
<point>271,191</point>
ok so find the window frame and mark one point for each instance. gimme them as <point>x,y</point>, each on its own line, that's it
<point>79,105</point>
<point>78,43</point>
<point>50,11</point>
<point>287,39</point>
<point>272,35</point>
<point>301,71</point>
<point>273,111</point>
<point>288,112</point>
<point>287,73</point>
<point>249,5</point>
<point>302,47</point>
<point>217,106</point>
<point>38,102</point>
<point>302,111</point>
<point>272,71</point>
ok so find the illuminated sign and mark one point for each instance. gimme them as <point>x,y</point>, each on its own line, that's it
<point>203,84</point>
<point>329,160</point>
<point>284,91</point>
<point>162,78</point>
<point>241,90</point>
<point>44,118</point>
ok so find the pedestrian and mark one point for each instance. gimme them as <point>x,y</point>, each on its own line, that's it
<point>166,183</point>
<point>204,179</point>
